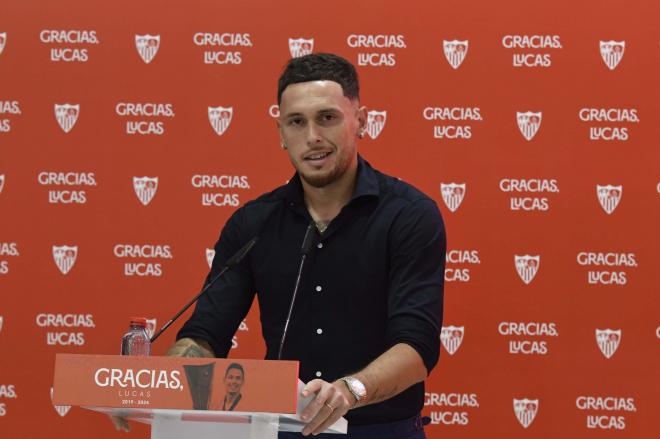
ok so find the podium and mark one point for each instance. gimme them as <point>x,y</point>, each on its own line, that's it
<point>188,397</point>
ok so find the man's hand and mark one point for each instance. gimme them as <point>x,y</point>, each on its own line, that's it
<point>332,401</point>
<point>190,348</point>
<point>388,375</point>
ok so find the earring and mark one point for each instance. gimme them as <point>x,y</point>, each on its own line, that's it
<point>361,134</point>
<point>283,145</point>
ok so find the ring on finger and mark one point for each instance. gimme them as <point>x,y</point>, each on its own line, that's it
<point>329,406</point>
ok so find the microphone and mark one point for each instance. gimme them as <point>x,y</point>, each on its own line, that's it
<point>308,241</point>
<point>234,260</point>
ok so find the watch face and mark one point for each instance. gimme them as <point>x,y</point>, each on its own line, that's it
<point>358,388</point>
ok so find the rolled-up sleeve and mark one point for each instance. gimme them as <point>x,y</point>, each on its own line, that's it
<point>221,309</point>
<point>417,265</point>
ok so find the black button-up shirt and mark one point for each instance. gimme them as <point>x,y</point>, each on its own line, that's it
<point>373,279</point>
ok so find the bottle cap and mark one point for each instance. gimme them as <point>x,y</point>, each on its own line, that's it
<point>140,321</point>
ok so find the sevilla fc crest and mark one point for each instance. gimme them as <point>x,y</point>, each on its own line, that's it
<point>452,337</point>
<point>300,47</point>
<point>376,123</point>
<point>608,341</point>
<point>210,254</point>
<point>220,118</point>
<point>3,40</point>
<point>67,115</point>
<point>147,46</point>
<point>609,197</point>
<point>145,188</point>
<point>151,327</point>
<point>529,123</point>
<point>65,257</point>
<point>2,182</point>
<point>455,52</point>
<point>525,410</point>
<point>612,52</point>
<point>527,266</point>
<point>452,194</point>
<point>61,410</point>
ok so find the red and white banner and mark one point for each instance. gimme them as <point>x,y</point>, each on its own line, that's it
<point>130,132</point>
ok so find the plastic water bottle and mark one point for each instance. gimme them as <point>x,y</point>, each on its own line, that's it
<point>136,341</point>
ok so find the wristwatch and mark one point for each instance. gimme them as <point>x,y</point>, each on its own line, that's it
<point>356,387</point>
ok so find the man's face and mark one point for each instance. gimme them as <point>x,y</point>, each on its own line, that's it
<point>234,380</point>
<point>319,127</point>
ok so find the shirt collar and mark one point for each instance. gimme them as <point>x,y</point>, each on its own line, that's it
<point>366,185</point>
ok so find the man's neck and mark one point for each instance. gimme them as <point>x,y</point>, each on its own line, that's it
<point>325,203</point>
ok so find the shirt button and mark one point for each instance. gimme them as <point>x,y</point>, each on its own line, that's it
<point>319,288</point>
<point>318,374</point>
<point>319,245</point>
<point>319,331</point>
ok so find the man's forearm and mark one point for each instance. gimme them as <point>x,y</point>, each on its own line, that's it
<point>388,375</point>
<point>391,373</point>
<point>188,347</point>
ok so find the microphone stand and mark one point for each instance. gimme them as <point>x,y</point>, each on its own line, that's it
<point>306,247</point>
<point>238,256</point>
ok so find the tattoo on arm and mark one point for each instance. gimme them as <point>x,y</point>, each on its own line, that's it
<point>193,352</point>
<point>191,349</point>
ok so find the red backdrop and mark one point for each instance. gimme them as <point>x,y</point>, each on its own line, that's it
<point>540,123</point>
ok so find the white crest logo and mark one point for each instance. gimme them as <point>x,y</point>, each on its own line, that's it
<point>529,123</point>
<point>65,257</point>
<point>61,410</point>
<point>527,267</point>
<point>452,337</point>
<point>612,52</point>
<point>525,410</point>
<point>452,194</point>
<point>3,41</point>
<point>210,254</point>
<point>151,327</point>
<point>608,341</point>
<point>609,197</point>
<point>145,188</point>
<point>2,182</point>
<point>147,46</point>
<point>455,51</point>
<point>67,115</point>
<point>220,118</point>
<point>300,47</point>
<point>376,123</point>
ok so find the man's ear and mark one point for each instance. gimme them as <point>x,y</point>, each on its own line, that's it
<point>362,118</point>
<point>279,130</point>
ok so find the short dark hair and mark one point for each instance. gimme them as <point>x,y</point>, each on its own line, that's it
<point>234,366</point>
<point>320,67</point>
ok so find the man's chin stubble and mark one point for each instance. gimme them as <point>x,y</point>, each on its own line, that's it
<point>323,180</point>
<point>319,181</point>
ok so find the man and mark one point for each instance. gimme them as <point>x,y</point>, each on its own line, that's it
<point>366,322</point>
<point>234,379</point>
